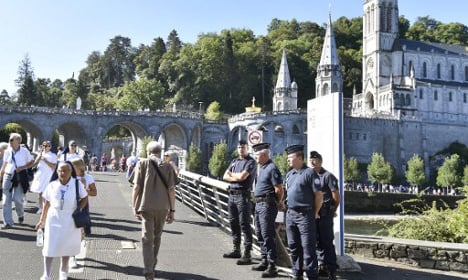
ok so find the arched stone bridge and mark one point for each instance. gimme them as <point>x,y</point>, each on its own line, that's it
<point>176,131</point>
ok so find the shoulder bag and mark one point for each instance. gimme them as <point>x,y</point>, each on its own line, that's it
<point>80,216</point>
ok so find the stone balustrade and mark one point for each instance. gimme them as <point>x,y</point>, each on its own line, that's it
<point>423,254</point>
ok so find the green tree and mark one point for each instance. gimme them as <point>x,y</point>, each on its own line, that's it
<point>415,174</point>
<point>148,59</point>
<point>141,94</point>
<point>351,170</point>
<point>379,170</point>
<point>5,98</point>
<point>281,161</point>
<point>193,161</point>
<point>465,176</point>
<point>447,175</point>
<point>144,143</point>
<point>213,112</point>
<point>118,62</point>
<point>219,160</point>
<point>423,29</point>
<point>10,128</point>
<point>70,94</point>
<point>43,91</point>
<point>27,94</point>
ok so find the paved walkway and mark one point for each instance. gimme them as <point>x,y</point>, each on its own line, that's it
<point>191,247</point>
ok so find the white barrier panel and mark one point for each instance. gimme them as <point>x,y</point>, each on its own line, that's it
<point>325,135</point>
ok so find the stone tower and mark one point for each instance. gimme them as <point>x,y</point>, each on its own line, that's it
<point>329,77</point>
<point>380,30</point>
<point>285,93</point>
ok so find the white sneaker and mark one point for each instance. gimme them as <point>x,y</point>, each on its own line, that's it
<point>63,275</point>
<point>44,278</point>
<point>72,264</point>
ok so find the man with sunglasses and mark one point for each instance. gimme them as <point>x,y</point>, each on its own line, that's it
<point>16,160</point>
<point>240,175</point>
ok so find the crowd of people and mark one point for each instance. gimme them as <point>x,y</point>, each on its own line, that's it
<point>309,195</point>
<point>62,185</point>
<point>312,197</point>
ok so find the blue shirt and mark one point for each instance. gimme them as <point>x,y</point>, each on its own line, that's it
<point>329,184</point>
<point>301,185</point>
<point>267,178</point>
<point>237,166</point>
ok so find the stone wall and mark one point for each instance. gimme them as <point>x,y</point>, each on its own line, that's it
<point>373,202</point>
<point>423,254</point>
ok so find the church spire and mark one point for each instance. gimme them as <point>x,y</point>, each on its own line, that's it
<point>329,53</point>
<point>329,77</point>
<point>285,92</point>
<point>284,80</point>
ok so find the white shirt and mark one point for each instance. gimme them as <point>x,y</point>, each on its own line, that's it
<point>22,158</point>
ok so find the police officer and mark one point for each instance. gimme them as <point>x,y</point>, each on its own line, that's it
<point>304,199</point>
<point>331,199</point>
<point>268,193</point>
<point>240,174</point>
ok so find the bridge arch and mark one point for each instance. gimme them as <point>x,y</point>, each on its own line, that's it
<point>34,134</point>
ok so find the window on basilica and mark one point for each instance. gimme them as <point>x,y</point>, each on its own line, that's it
<point>408,100</point>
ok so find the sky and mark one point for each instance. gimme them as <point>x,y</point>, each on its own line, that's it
<point>58,35</point>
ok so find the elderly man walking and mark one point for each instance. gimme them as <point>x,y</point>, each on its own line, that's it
<point>153,202</point>
<point>16,161</point>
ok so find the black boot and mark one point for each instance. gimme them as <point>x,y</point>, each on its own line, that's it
<point>270,272</point>
<point>331,275</point>
<point>246,257</point>
<point>234,254</point>
<point>261,266</point>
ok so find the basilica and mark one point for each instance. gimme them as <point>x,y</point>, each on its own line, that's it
<point>413,101</point>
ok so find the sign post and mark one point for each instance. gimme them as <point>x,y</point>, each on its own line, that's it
<point>255,137</point>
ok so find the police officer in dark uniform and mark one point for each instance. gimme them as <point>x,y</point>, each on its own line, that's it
<point>268,193</point>
<point>240,174</point>
<point>304,199</point>
<point>331,200</point>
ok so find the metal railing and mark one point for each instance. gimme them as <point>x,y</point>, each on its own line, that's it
<point>209,197</point>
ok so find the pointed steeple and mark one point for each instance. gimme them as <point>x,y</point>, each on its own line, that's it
<point>285,92</point>
<point>329,78</point>
<point>329,54</point>
<point>284,80</point>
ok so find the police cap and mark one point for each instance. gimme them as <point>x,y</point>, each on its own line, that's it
<point>315,154</point>
<point>242,142</point>
<point>260,146</point>
<point>294,149</point>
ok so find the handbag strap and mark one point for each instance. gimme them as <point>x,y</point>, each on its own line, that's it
<point>77,194</point>
<point>159,174</point>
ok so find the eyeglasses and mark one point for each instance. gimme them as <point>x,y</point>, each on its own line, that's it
<point>45,145</point>
<point>12,139</point>
<point>73,145</point>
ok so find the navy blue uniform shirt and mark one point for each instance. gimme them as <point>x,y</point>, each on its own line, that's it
<point>237,166</point>
<point>301,185</point>
<point>267,178</point>
<point>329,184</point>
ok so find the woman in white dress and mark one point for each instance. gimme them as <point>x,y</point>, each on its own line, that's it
<point>46,162</point>
<point>61,237</point>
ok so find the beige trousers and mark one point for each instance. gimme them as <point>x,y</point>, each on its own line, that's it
<point>152,225</point>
